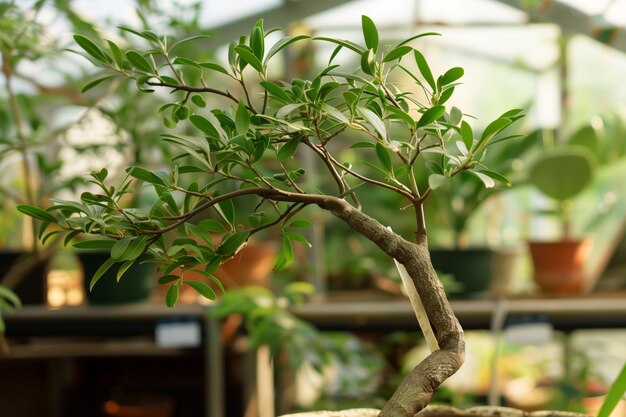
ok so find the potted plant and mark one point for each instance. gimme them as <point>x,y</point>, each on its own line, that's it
<point>48,126</point>
<point>25,145</point>
<point>561,173</point>
<point>250,138</point>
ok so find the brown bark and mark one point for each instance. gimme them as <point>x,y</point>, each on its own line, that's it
<point>415,391</point>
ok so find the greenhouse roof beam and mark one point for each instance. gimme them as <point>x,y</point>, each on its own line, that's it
<point>280,16</point>
<point>573,20</point>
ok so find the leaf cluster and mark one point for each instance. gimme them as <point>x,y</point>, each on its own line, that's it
<point>268,321</point>
<point>247,149</point>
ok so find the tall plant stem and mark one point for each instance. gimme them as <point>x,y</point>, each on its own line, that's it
<point>27,171</point>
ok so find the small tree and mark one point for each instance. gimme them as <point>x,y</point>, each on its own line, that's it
<point>251,139</point>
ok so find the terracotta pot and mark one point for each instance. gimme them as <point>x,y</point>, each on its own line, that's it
<point>559,266</point>
<point>251,266</point>
<point>145,405</point>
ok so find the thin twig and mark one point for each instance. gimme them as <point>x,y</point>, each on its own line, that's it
<point>191,89</point>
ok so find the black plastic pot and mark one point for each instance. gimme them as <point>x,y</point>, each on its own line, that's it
<point>136,284</point>
<point>472,268</point>
<point>32,287</point>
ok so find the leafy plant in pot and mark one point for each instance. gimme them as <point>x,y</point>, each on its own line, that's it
<point>49,126</point>
<point>30,138</point>
<point>251,141</point>
<point>561,173</point>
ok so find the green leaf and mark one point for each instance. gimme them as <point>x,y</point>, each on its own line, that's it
<point>362,145</point>
<point>276,91</point>
<point>260,146</point>
<point>287,249</point>
<point>95,83</point>
<point>100,272</point>
<point>36,212</point>
<point>122,270</point>
<point>118,55</point>
<point>246,53</point>
<point>451,75</point>
<point>301,223</point>
<point>374,120</point>
<point>95,244</point>
<point>179,60</point>
<point>172,296</point>
<point>614,395</point>
<point>334,54</point>
<point>513,114</point>
<point>298,237</point>
<point>182,112</point>
<point>198,100</point>
<point>346,44</point>
<point>204,125</point>
<point>397,53</point>
<point>562,173</point>
<point>434,168</point>
<point>335,114</point>
<point>498,177</point>
<point>165,279</point>
<point>139,61</point>
<point>92,49</point>
<point>282,44</point>
<point>487,181</point>
<point>288,149</point>
<point>232,243</point>
<point>467,134</point>
<point>242,119</point>
<point>185,40</point>
<point>421,35</point>
<point>435,181</point>
<point>367,62</point>
<point>494,127</point>
<point>424,68</point>
<point>128,248</point>
<point>370,33</point>
<point>383,156</point>
<point>445,95</point>
<point>400,114</point>
<point>257,41</point>
<point>430,115</point>
<point>455,116</point>
<point>300,287</point>
<point>203,289</point>
<point>45,238</point>
<point>214,67</point>
<point>227,210</point>
<point>145,175</point>
<point>10,296</point>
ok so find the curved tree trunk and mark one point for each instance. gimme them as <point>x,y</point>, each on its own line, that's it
<point>415,391</point>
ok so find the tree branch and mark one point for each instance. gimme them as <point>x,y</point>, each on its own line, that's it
<point>190,89</point>
<point>370,180</point>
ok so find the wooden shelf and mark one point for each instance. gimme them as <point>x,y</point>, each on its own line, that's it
<point>597,311</point>
<point>63,348</point>
<point>124,332</point>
